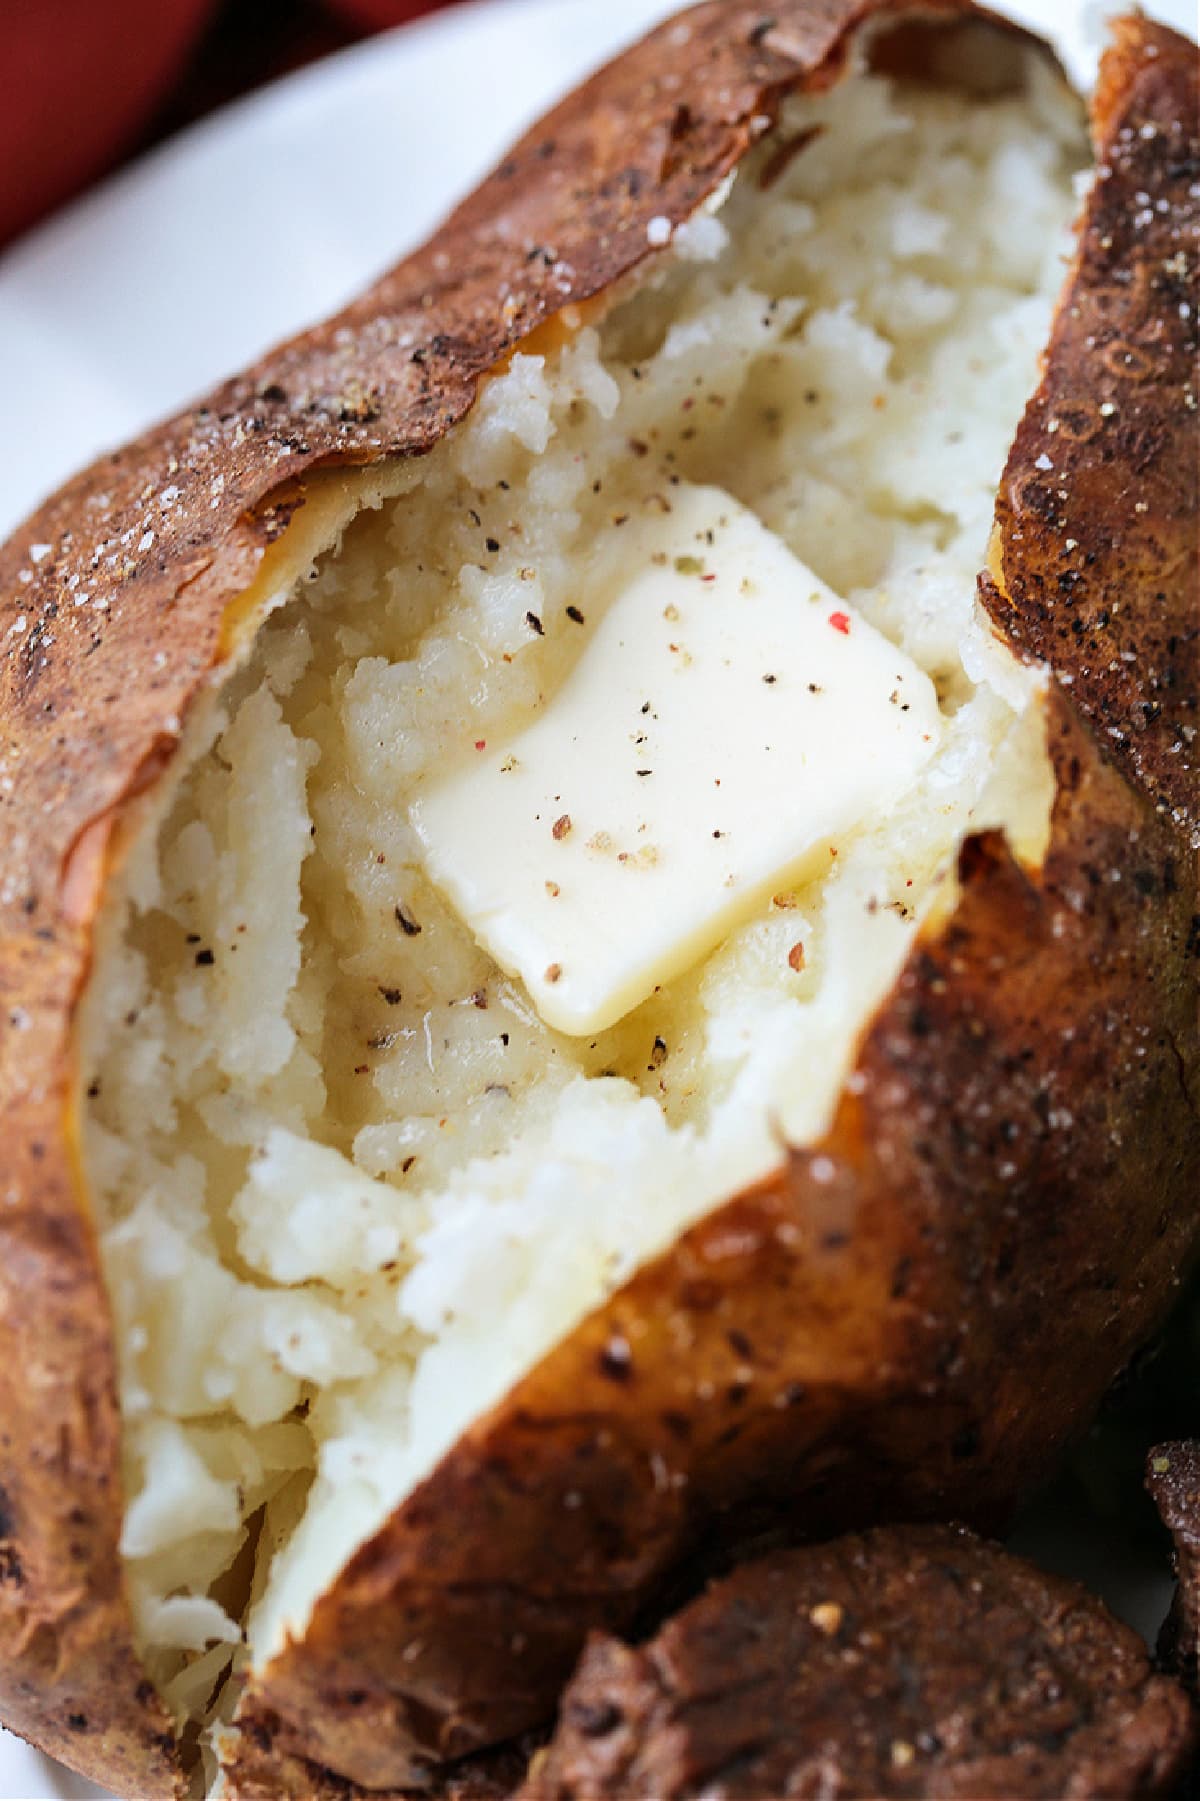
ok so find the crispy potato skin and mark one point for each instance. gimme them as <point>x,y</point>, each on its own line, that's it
<point>1173,1479</point>
<point>265,1772</point>
<point>1099,553</point>
<point>910,1661</point>
<point>970,1268</point>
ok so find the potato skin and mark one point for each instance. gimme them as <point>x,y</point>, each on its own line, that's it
<point>905,1662</point>
<point>1099,560</point>
<point>950,1245</point>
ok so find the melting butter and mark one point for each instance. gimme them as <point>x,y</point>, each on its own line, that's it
<point>728,721</point>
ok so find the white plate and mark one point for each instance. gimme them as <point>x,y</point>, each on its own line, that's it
<point>270,214</point>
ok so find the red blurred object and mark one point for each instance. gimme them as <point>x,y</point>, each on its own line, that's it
<point>377,15</point>
<point>81,78</point>
<point>87,82</point>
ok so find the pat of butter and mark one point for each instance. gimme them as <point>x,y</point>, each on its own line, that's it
<point>728,721</point>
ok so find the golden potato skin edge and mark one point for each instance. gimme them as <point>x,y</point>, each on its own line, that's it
<point>85,719</point>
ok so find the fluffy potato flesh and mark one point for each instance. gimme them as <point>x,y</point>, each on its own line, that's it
<point>350,1184</point>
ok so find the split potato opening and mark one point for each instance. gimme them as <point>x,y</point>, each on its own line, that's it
<point>574,798</point>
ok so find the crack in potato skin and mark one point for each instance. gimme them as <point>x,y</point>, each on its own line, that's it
<point>897,1241</point>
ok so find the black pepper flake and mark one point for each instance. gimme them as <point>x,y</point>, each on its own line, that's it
<point>392,996</point>
<point>407,1164</point>
<point>406,922</point>
<point>658,1054</point>
<point>770,680</point>
<point>204,959</point>
<point>616,1360</point>
<point>504,1039</point>
<point>645,772</point>
<point>193,938</point>
<point>535,624</point>
<point>493,545</point>
<point>574,614</point>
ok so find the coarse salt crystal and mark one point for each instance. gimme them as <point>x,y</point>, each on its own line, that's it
<point>658,231</point>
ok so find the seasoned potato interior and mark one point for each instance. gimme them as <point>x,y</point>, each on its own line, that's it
<point>349,1184</point>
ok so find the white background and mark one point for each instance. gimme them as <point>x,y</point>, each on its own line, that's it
<point>267,216</point>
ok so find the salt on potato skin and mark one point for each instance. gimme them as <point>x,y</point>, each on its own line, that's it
<point>42,1706</point>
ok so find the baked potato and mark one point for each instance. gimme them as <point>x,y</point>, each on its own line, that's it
<point>909,1661</point>
<point>574,979</point>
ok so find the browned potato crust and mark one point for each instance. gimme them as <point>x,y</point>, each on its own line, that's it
<point>1173,1478</point>
<point>971,1271</point>
<point>908,1661</point>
